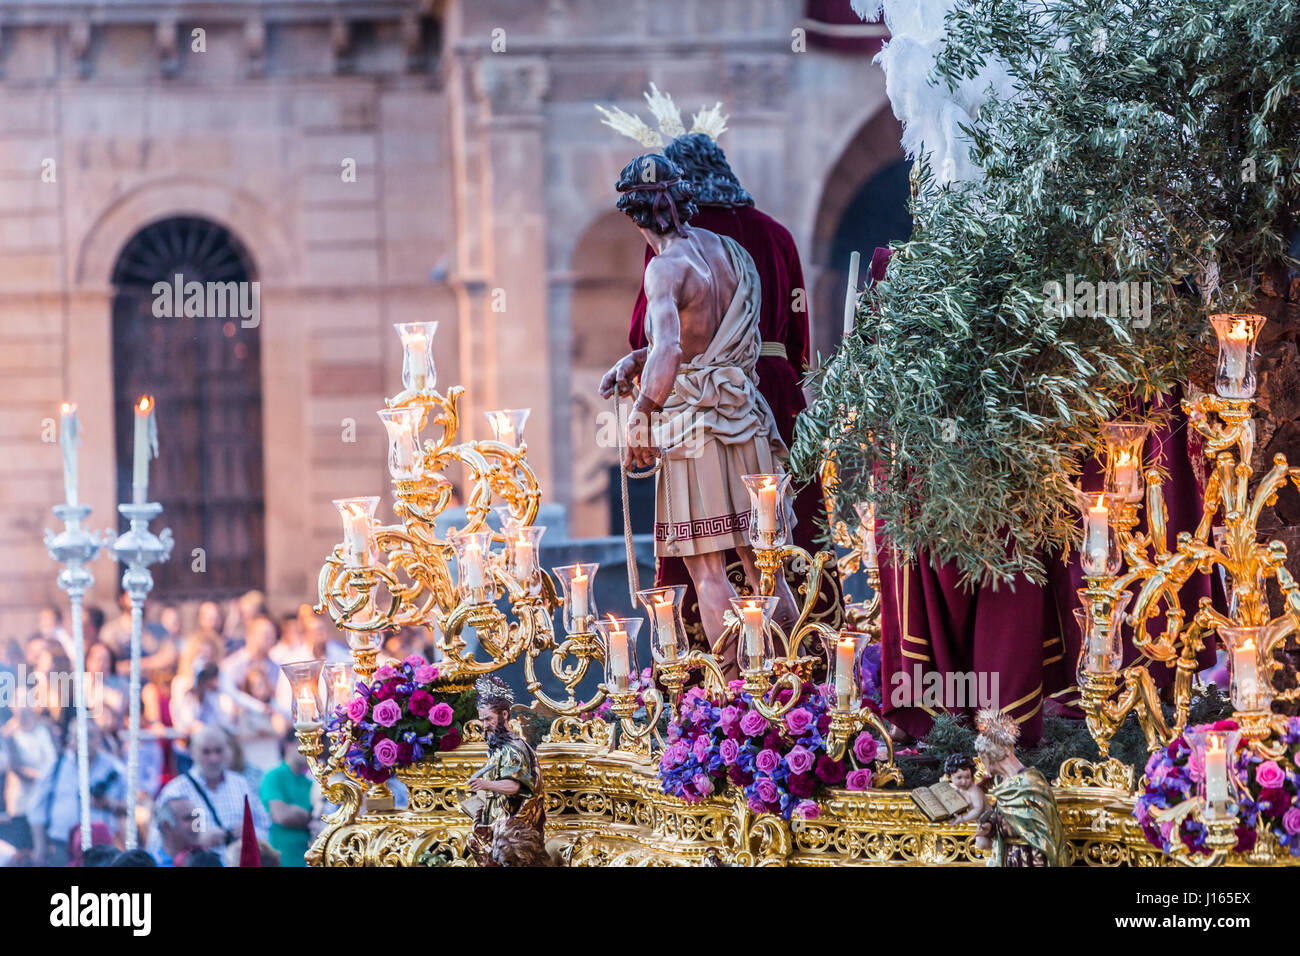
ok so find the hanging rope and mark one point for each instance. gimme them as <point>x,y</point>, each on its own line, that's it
<point>633,575</point>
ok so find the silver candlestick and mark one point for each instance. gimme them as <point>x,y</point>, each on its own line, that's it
<point>137,548</point>
<point>75,547</point>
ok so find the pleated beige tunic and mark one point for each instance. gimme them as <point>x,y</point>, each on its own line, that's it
<point>715,427</point>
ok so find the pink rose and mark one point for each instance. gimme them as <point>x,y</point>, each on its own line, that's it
<point>767,760</point>
<point>426,674</point>
<point>728,716</point>
<point>387,713</point>
<point>702,747</point>
<point>1269,774</point>
<point>703,784</point>
<point>729,750</point>
<point>808,810</point>
<point>441,714</point>
<point>767,791</point>
<point>858,780</point>
<point>357,708</point>
<point>800,759</point>
<point>386,752</point>
<point>865,748</point>
<point>385,673</point>
<point>753,723</point>
<point>1291,820</point>
<point>798,720</point>
<point>736,686</point>
<point>415,662</point>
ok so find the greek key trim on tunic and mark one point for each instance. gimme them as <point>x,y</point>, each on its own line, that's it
<point>703,527</point>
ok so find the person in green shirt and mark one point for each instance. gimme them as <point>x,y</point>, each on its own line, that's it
<point>286,791</point>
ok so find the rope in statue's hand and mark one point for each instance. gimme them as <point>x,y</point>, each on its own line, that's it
<point>633,576</point>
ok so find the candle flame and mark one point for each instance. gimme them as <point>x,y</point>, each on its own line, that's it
<point>1099,501</point>
<point>1239,330</point>
<point>1124,457</point>
<point>1216,745</point>
<point>1248,644</point>
<point>67,408</point>
<point>145,403</point>
<point>664,599</point>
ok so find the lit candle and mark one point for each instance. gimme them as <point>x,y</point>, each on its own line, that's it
<point>1098,530</point>
<point>68,438</point>
<point>417,347</point>
<point>578,596</point>
<point>354,535</point>
<point>144,439</point>
<point>619,666</point>
<point>1245,671</point>
<point>752,616</point>
<point>523,556</point>
<point>1236,345</point>
<point>845,678</point>
<point>1216,773</point>
<point>505,429</point>
<point>767,506</point>
<point>403,442</point>
<point>473,566</point>
<point>1124,467</point>
<point>666,626</point>
<point>307,711</point>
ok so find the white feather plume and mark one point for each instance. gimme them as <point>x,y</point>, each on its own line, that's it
<point>631,126</point>
<point>666,113</point>
<point>710,121</point>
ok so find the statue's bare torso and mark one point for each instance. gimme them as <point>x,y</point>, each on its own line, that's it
<point>693,276</point>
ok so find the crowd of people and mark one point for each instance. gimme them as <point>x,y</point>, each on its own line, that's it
<point>215,729</point>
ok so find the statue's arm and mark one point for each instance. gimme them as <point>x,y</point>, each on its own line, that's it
<point>665,355</point>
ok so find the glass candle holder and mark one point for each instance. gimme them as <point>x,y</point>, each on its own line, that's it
<point>340,681</point>
<point>618,640</point>
<point>1219,788</point>
<point>304,689</point>
<point>360,549</point>
<point>418,373</point>
<point>754,650</point>
<point>523,544</point>
<point>577,582</point>
<point>1101,653</point>
<point>866,511</point>
<point>1100,555</point>
<point>1251,685</point>
<point>405,457</point>
<point>769,525</point>
<point>663,606</point>
<point>844,670</point>
<point>1124,441</point>
<point>476,584</point>
<point>508,425</point>
<point>1238,333</point>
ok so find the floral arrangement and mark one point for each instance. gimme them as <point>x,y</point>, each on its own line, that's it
<point>1271,790</point>
<point>781,766</point>
<point>399,718</point>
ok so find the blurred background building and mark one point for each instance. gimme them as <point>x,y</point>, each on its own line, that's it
<point>368,162</point>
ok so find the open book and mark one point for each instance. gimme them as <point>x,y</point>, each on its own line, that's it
<point>940,801</point>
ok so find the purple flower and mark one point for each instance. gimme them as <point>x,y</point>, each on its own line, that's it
<point>703,784</point>
<point>441,714</point>
<point>386,752</point>
<point>800,759</point>
<point>426,674</point>
<point>801,784</point>
<point>421,703</point>
<point>357,708</point>
<point>415,662</point>
<point>729,751</point>
<point>808,810</point>
<point>386,672</point>
<point>767,760</point>
<point>1269,774</point>
<point>859,780</point>
<point>1291,820</point>
<point>729,715</point>
<point>387,713</point>
<point>798,720</point>
<point>767,790</point>
<point>702,747</point>
<point>753,723</point>
<point>865,748</point>
<point>830,771</point>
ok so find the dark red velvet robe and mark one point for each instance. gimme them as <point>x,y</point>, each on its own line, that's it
<point>783,319</point>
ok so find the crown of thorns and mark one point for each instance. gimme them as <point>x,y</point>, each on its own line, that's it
<point>997,727</point>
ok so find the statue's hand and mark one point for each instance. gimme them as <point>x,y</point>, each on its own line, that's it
<point>618,378</point>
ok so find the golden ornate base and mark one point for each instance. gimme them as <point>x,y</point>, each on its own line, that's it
<point>606,809</point>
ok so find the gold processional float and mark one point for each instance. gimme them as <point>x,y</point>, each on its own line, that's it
<point>604,802</point>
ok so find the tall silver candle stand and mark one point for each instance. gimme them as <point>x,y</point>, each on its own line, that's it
<point>137,548</point>
<point>74,548</point>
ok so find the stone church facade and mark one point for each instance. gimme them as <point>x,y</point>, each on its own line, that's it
<point>366,163</point>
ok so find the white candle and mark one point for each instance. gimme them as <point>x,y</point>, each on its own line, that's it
<point>473,566</point>
<point>767,506</point>
<point>68,438</point>
<point>307,712</point>
<point>845,678</point>
<point>140,470</point>
<point>1245,671</point>
<point>752,616</point>
<point>1216,773</point>
<point>619,666</point>
<point>403,442</point>
<point>666,626</point>
<point>578,596</point>
<point>417,353</point>
<point>1124,467</point>
<point>354,535</point>
<point>506,433</point>
<point>1236,344</point>
<point>523,556</point>
<point>1098,525</point>
<point>851,294</point>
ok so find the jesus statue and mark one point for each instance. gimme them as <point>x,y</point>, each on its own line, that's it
<point>711,424</point>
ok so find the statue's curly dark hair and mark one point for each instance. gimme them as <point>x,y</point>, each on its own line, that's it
<point>956,762</point>
<point>705,166</point>
<point>649,187</point>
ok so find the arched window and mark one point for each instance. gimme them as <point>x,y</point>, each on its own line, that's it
<point>202,364</point>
